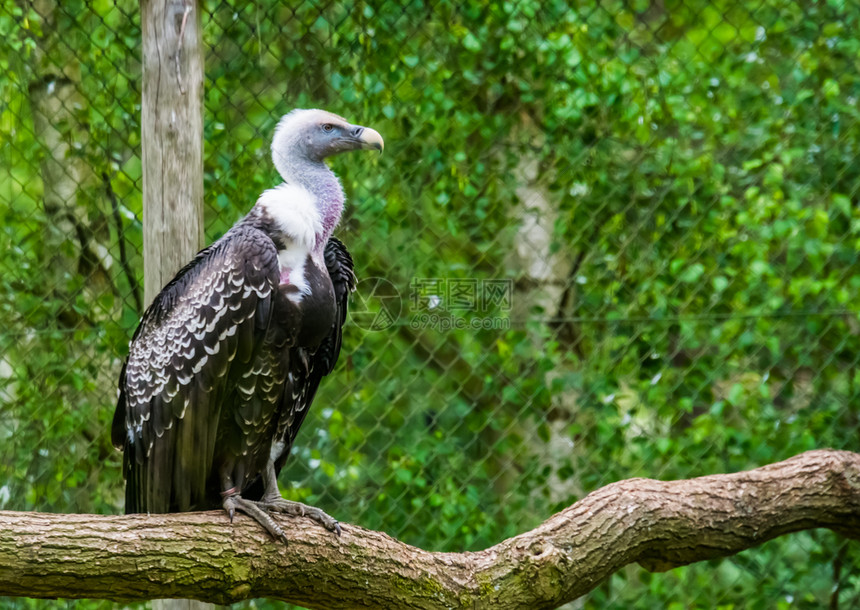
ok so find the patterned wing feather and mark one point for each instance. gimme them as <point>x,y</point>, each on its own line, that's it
<point>201,332</point>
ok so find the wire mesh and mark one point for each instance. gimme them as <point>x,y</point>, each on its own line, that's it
<point>605,240</point>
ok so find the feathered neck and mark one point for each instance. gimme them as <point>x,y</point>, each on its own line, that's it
<point>319,181</point>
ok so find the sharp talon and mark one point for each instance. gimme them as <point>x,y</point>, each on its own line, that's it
<point>295,509</point>
<point>232,512</point>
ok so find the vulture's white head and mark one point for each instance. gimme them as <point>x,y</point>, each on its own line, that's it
<point>304,136</point>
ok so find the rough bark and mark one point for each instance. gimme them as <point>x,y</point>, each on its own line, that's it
<point>659,525</point>
<point>172,151</point>
<point>171,139</point>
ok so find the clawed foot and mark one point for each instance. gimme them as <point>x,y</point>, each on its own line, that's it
<point>236,502</point>
<point>258,511</point>
<point>280,505</point>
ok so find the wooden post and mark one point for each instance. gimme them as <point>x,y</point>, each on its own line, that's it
<point>171,139</point>
<point>172,153</point>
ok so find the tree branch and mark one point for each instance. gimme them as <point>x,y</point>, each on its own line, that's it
<point>202,556</point>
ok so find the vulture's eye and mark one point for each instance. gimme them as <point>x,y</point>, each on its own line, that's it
<point>328,127</point>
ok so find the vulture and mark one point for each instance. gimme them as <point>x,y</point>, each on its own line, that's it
<point>228,357</point>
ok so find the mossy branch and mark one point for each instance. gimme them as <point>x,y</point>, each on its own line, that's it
<point>659,525</point>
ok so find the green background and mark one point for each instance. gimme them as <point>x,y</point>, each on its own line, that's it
<point>690,170</point>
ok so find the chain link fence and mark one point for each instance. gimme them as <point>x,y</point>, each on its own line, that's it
<point>605,240</point>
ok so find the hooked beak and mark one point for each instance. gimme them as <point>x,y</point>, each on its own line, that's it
<point>368,138</point>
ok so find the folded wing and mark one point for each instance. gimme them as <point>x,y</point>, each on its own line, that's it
<point>306,370</point>
<point>198,342</point>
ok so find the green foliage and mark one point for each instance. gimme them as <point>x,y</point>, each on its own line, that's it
<point>60,340</point>
<point>700,159</point>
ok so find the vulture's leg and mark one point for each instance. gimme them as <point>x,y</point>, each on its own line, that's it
<point>233,502</point>
<point>250,508</point>
<point>273,501</point>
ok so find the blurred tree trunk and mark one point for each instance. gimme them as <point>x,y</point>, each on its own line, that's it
<point>77,263</point>
<point>172,154</point>
<point>76,235</point>
<point>544,289</point>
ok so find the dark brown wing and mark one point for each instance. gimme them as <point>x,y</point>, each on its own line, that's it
<point>307,370</point>
<point>199,337</point>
